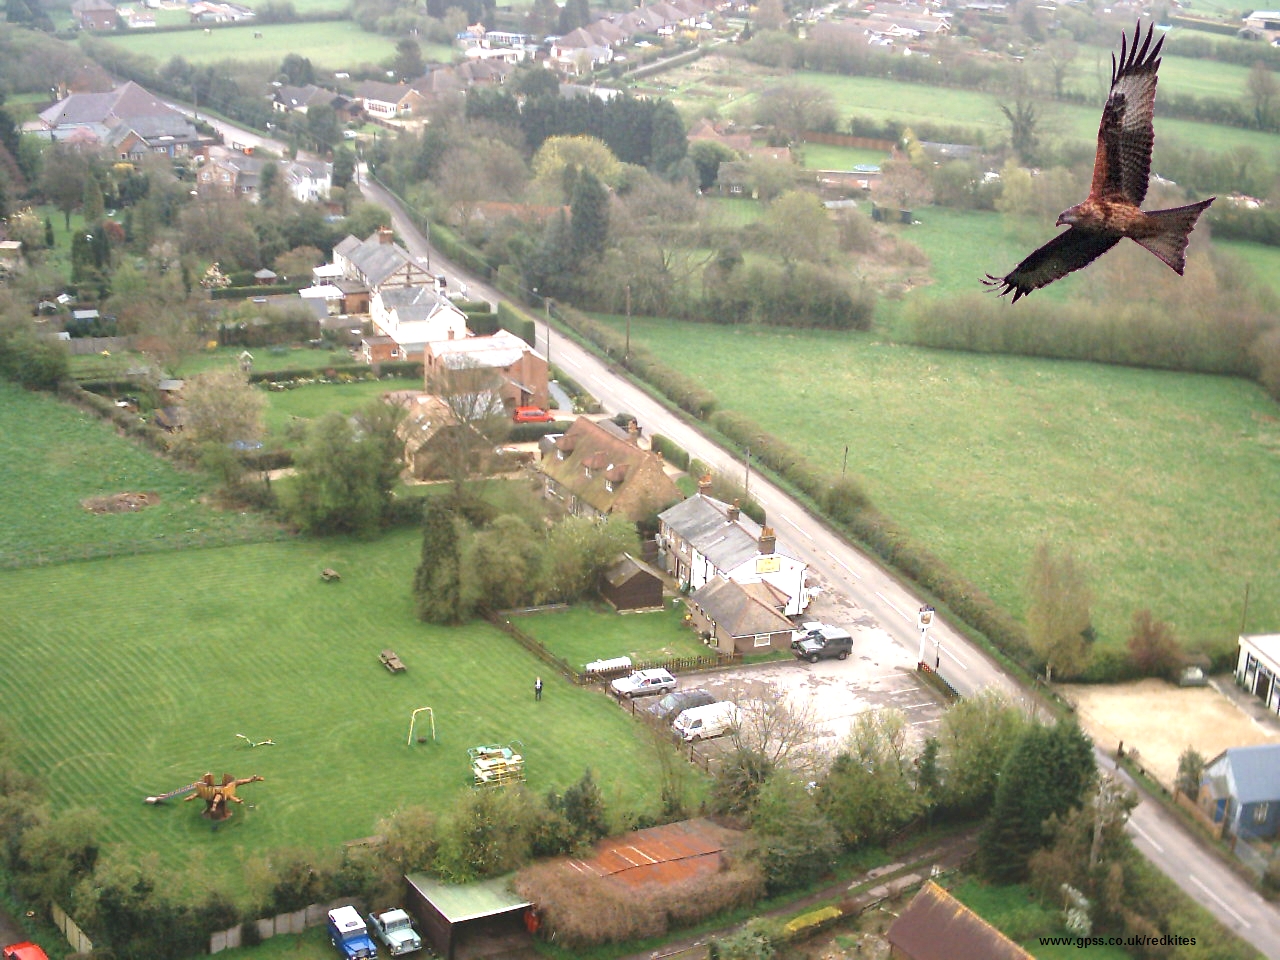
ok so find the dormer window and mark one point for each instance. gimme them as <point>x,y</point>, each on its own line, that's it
<point>559,454</point>
<point>586,469</point>
<point>608,486</point>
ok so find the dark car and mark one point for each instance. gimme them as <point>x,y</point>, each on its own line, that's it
<point>670,706</point>
<point>823,643</point>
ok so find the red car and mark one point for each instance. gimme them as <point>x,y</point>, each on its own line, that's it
<point>24,951</point>
<point>532,415</point>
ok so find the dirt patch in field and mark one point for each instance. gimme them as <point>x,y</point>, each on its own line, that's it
<point>120,502</point>
<point>1160,721</point>
<point>665,854</point>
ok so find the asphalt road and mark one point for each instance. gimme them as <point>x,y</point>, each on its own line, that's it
<point>1160,837</point>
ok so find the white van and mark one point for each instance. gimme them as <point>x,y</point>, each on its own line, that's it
<point>699,723</point>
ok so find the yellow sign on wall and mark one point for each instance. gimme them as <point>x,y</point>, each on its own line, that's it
<point>768,564</point>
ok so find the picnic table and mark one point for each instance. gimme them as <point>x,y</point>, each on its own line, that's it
<point>391,661</point>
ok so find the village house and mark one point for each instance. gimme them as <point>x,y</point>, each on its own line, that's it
<point>1240,791</point>
<point>740,617</point>
<point>406,319</point>
<point>390,101</point>
<point>1258,667</point>
<point>630,584</point>
<point>95,14</point>
<point>521,370</point>
<point>703,538</point>
<point>594,471</point>
<point>232,174</point>
<point>125,123</point>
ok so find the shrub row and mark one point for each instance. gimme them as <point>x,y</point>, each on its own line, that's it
<point>515,320</point>
<point>671,452</point>
<point>524,432</point>
<point>257,290</point>
<point>106,408</point>
<point>460,252</point>
<point>397,369</point>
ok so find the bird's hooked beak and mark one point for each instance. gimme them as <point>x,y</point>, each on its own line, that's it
<point>1066,218</point>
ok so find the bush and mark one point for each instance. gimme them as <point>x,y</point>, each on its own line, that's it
<point>671,452</point>
<point>524,432</point>
<point>518,322</point>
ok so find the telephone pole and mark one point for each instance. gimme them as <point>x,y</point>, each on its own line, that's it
<point>626,354</point>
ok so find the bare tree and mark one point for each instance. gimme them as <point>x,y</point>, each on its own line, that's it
<point>477,420</point>
<point>792,108</point>
<point>1056,58</point>
<point>1261,90</point>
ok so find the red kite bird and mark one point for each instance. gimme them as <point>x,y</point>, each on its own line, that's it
<point>1120,174</point>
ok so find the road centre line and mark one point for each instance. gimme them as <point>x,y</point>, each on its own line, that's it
<point>801,532</point>
<point>892,607</point>
<point>1146,836</point>
<point>848,568</point>
<point>1218,900</point>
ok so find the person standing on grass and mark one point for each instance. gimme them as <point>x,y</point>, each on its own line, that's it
<point>537,689</point>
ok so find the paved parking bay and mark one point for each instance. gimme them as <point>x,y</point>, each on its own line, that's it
<point>831,693</point>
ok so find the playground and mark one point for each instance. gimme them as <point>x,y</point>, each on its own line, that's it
<point>243,661</point>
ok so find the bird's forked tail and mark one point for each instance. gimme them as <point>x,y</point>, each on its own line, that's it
<point>1172,230</point>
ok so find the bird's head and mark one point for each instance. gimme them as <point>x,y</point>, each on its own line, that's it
<point>1069,217</point>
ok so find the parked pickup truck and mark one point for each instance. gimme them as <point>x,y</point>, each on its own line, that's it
<point>395,929</point>
<point>821,642</point>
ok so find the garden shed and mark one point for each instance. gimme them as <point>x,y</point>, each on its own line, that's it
<point>632,584</point>
<point>469,920</point>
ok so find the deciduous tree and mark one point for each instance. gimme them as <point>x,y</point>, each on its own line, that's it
<point>1058,612</point>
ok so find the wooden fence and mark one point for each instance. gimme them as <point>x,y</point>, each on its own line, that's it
<point>71,930</point>
<point>298,921</point>
<point>673,664</point>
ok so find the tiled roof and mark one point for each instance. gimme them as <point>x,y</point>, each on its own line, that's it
<point>937,926</point>
<point>704,522</point>
<point>741,609</point>
<point>640,485</point>
<point>1255,770</point>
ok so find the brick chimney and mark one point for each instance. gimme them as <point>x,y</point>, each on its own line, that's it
<point>704,484</point>
<point>633,432</point>
<point>386,235</point>
<point>768,542</point>
<point>734,511</point>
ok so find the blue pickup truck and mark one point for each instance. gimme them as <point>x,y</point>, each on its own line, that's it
<point>347,932</point>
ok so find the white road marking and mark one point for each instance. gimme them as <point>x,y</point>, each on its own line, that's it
<point>848,568</point>
<point>955,658</point>
<point>1218,900</point>
<point>801,532</point>
<point>893,608</point>
<point>916,706</point>
<point>918,723</point>
<point>1146,836</point>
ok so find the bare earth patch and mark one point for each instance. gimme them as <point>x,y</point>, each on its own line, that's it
<point>120,502</point>
<point>1160,720</point>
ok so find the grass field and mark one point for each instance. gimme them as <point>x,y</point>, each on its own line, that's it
<point>161,660</point>
<point>53,455</point>
<point>331,45</point>
<point>821,156</point>
<point>1012,911</point>
<point>1154,480</point>
<point>574,634</point>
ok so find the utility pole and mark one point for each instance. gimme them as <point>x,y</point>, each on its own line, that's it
<point>546,304</point>
<point>746,481</point>
<point>626,354</point>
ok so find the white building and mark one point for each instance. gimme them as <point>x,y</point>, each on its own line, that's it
<point>1258,667</point>
<point>702,538</point>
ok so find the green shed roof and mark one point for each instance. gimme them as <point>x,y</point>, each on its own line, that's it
<point>468,901</point>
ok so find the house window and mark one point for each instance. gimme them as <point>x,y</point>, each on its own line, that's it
<point>762,640</point>
<point>608,486</point>
<point>587,471</point>
<point>1260,811</point>
<point>559,454</point>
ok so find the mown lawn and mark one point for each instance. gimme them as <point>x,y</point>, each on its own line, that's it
<point>821,156</point>
<point>330,45</point>
<point>130,677</point>
<point>585,633</point>
<point>311,402</point>
<point>1012,911</point>
<point>1162,484</point>
<point>53,455</point>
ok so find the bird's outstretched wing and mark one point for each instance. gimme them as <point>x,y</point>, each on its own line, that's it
<point>1122,167</point>
<point>1066,252</point>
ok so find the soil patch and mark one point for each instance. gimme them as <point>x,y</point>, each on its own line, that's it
<point>1159,721</point>
<point>120,502</point>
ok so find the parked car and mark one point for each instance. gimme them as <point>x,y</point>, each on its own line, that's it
<point>670,706</point>
<point>822,643</point>
<point>395,929</point>
<point>23,951</point>
<point>532,415</point>
<point>702,723</point>
<point>643,683</point>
